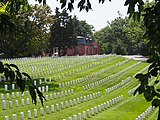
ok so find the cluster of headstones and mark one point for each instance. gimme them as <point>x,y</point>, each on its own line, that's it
<point>13,95</point>
<point>60,94</point>
<point>46,68</point>
<point>4,103</point>
<point>89,77</point>
<point>130,92</point>
<point>108,90</point>
<point>58,107</point>
<point>95,110</point>
<point>145,113</point>
<point>94,84</point>
<point>121,63</point>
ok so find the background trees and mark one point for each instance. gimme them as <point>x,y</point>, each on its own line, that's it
<point>63,33</point>
<point>30,33</point>
<point>122,36</point>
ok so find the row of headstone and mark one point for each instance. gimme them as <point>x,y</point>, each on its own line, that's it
<point>145,113</point>
<point>58,69</point>
<point>14,95</point>
<point>44,89</point>
<point>76,101</point>
<point>91,85</point>
<point>35,113</point>
<point>131,92</point>
<point>62,94</point>
<point>4,104</point>
<point>80,80</point>
<point>83,67</point>
<point>6,87</point>
<point>108,90</point>
<point>95,110</point>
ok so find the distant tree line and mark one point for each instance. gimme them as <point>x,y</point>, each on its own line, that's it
<point>122,36</point>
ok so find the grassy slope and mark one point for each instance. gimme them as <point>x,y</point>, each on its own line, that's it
<point>127,109</point>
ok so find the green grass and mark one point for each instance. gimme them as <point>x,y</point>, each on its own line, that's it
<point>128,109</point>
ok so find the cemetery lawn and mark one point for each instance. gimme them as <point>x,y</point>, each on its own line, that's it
<point>75,78</point>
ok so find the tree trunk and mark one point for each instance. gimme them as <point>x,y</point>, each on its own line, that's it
<point>59,51</point>
<point>158,113</point>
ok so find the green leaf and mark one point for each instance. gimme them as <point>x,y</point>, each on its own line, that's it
<point>141,89</point>
<point>41,97</point>
<point>156,102</point>
<point>1,67</point>
<point>15,66</point>
<point>139,75</point>
<point>158,90</point>
<point>149,94</point>
<point>127,2</point>
<point>33,94</point>
<point>12,76</point>
<point>154,72</point>
<point>156,82</point>
<point>6,73</point>
<point>25,74</point>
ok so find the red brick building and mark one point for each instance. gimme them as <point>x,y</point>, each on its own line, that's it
<point>84,46</point>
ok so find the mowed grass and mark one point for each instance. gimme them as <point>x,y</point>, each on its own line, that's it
<point>128,109</point>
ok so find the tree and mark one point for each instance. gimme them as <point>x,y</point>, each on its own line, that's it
<point>122,36</point>
<point>31,34</point>
<point>63,33</point>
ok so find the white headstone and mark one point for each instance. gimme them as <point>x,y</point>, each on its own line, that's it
<point>13,86</point>
<point>41,111</point>
<point>29,114</point>
<point>50,96</point>
<point>27,101</point>
<point>17,94</point>
<point>34,82</point>
<point>2,96</point>
<point>10,104</point>
<point>85,99</point>
<point>12,95</point>
<point>69,118</point>
<point>57,107</point>
<point>88,113</point>
<point>3,105</point>
<point>69,92</point>
<point>95,109</point>
<point>59,95</point>
<point>21,115</point>
<point>6,118</point>
<point>62,105</point>
<point>92,111</point>
<point>47,109</point>
<point>79,116</point>
<point>43,89</point>
<point>7,95</point>
<point>16,103</point>
<point>26,93</point>
<point>70,101</point>
<point>22,102</point>
<point>54,95</point>
<point>14,117</point>
<point>52,108</point>
<point>74,117</point>
<point>6,87</point>
<point>35,113</point>
<point>66,104</point>
<point>84,115</point>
